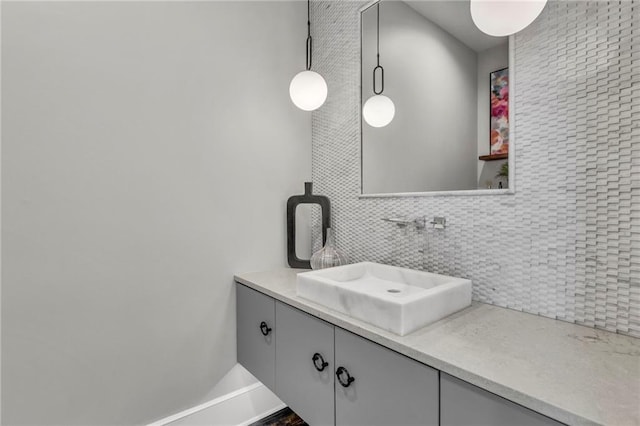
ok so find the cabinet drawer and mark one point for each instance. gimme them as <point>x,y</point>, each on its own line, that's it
<point>464,404</point>
<point>256,332</point>
<point>388,388</point>
<point>299,384</point>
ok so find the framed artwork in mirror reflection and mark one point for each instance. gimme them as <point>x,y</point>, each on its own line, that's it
<point>499,111</point>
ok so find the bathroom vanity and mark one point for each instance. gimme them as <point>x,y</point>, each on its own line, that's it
<point>483,366</point>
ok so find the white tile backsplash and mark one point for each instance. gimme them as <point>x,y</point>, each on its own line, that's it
<point>566,245</point>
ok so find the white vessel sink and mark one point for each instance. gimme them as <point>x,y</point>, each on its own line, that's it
<point>399,300</point>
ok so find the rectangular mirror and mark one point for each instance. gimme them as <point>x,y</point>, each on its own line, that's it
<point>450,84</point>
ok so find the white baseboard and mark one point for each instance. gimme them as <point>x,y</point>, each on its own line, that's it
<point>240,407</point>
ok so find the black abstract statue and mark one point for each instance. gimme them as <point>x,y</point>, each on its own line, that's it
<point>292,203</point>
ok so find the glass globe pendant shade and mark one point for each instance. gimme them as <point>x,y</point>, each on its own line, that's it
<point>308,90</point>
<point>378,111</point>
<point>501,18</point>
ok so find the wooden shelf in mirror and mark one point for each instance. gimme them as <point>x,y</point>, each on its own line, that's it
<point>494,157</point>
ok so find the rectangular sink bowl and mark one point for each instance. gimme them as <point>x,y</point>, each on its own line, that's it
<point>399,300</point>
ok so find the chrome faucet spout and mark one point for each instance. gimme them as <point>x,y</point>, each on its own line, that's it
<point>419,222</point>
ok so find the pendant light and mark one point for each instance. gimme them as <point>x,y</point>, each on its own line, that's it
<point>308,90</point>
<point>501,18</point>
<point>379,110</point>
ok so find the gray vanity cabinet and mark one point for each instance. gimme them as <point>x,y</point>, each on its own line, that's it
<point>304,365</point>
<point>464,404</point>
<point>387,388</point>
<point>256,334</point>
<point>330,376</point>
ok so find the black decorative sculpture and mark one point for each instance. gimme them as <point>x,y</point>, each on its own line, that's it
<point>292,203</point>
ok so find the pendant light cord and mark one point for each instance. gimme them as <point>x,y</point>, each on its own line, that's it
<point>378,56</point>
<point>309,39</point>
<point>378,34</point>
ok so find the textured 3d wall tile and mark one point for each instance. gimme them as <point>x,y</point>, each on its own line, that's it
<point>567,244</point>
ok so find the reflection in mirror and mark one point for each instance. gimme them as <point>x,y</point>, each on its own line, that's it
<point>438,67</point>
<point>306,215</point>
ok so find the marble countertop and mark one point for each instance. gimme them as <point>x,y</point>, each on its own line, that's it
<point>574,374</point>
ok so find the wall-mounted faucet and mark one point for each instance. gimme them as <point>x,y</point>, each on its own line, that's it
<point>419,222</point>
<point>439,222</point>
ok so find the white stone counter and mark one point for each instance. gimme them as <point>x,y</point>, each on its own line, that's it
<point>571,373</point>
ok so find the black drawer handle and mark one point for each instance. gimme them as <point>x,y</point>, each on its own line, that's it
<point>339,374</point>
<point>265,329</point>
<point>319,362</point>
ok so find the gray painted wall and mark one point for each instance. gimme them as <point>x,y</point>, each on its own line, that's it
<point>565,245</point>
<point>148,152</point>
<point>431,77</point>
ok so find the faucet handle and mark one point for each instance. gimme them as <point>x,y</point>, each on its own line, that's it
<point>439,222</point>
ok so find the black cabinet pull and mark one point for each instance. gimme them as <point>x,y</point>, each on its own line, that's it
<point>348,380</point>
<point>319,362</point>
<point>265,329</point>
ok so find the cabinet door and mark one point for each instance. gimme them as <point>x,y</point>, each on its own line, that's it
<point>256,334</point>
<point>464,404</point>
<point>299,384</point>
<point>387,388</point>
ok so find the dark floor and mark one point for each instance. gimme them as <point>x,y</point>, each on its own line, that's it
<point>284,417</point>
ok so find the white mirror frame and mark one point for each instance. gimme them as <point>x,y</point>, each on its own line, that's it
<point>512,136</point>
